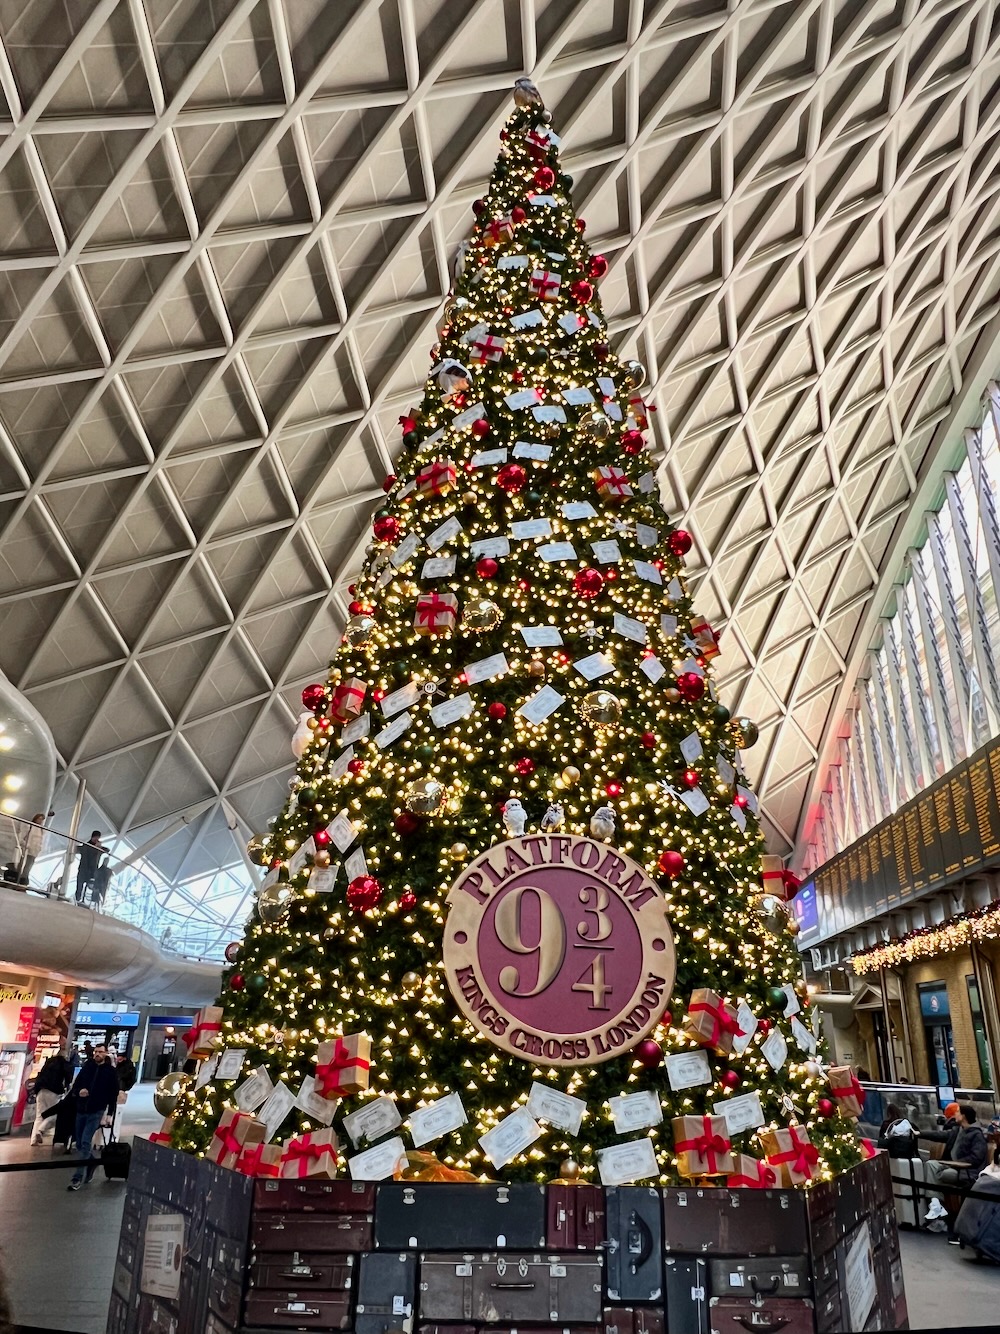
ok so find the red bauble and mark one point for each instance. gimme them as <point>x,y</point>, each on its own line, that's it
<point>517,214</point>
<point>582,291</point>
<point>648,740</point>
<point>237,982</point>
<point>406,823</point>
<point>363,893</point>
<point>321,838</point>
<point>680,542</point>
<point>826,1107</point>
<point>356,607</point>
<point>512,478</point>
<point>588,583</point>
<point>407,423</point>
<point>731,1080</point>
<point>633,442</point>
<point>544,178</point>
<point>389,481</point>
<point>690,778</point>
<point>581,226</point>
<point>478,205</point>
<point>487,567</point>
<point>763,1027</point>
<point>671,863</point>
<point>598,266</point>
<point>407,900</point>
<point>356,766</point>
<point>612,789</point>
<point>232,951</point>
<point>497,711</point>
<point>314,697</point>
<point>691,686</point>
<point>480,427</point>
<point>525,766</point>
<point>386,528</point>
<point>649,1054</point>
<point>601,351</point>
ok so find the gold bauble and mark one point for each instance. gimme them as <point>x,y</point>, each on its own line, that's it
<point>745,731</point>
<point>331,933</point>
<point>595,425</point>
<point>321,858</point>
<point>601,708</point>
<point>793,927</point>
<point>168,1090</point>
<point>458,852</point>
<point>424,796</point>
<point>551,429</point>
<point>359,630</point>
<point>569,1169</point>
<point>481,614</point>
<point>410,982</point>
<point>571,774</point>
<point>312,724</point>
<point>772,913</point>
<point>536,667</point>
<point>469,498</point>
<point>634,374</point>
<point>257,850</point>
<point>272,903</point>
<point>672,695</point>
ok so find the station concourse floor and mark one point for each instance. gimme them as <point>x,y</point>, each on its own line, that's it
<point>58,1249</point>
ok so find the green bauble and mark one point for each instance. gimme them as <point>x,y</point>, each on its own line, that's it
<point>776,997</point>
<point>721,714</point>
<point>533,497</point>
<point>257,982</point>
<point>401,670</point>
<point>425,751</point>
<point>307,796</point>
<point>540,356</point>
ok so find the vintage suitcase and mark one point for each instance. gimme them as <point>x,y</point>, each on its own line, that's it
<point>849,1205</point>
<point>308,1310</point>
<point>314,1196</point>
<point>312,1232</point>
<point>825,1272</point>
<point>224,1297</point>
<point>155,1317</point>
<point>829,1313</point>
<point>300,1270</point>
<point>446,1329</point>
<point>511,1289</point>
<point>717,1220</point>
<point>732,1315</point>
<point>635,1244</point>
<point>633,1320</point>
<point>780,1276</point>
<point>686,1292</point>
<point>575,1217</point>
<point>438,1216</point>
<point>387,1288</point>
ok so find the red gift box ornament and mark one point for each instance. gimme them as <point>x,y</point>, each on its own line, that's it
<point>846,1088</point>
<point>751,1174</point>
<point>264,1160</point>
<point>612,484</point>
<point>722,1025</point>
<point>707,1153</point>
<point>436,613</point>
<point>497,230</point>
<point>545,284</point>
<point>202,1038</point>
<point>488,347</point>
<point>310,1155</point>
<point>343,1066</point>
<point>799,1159</point>
<point>348,700</point>
<point>437,478</point>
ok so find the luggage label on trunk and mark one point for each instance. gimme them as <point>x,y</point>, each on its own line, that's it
<point>557,949</point>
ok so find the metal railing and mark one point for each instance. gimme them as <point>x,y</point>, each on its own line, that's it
<point>921,1104</point>
<point>126,892</point>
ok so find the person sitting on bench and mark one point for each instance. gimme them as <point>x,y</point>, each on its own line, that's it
<point>969,1155</point>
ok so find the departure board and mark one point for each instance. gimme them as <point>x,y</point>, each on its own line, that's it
<point>950,829</point>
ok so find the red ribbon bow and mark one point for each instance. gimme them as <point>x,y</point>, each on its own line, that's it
<point>544,283</point>
<point>802,1156</point>
<point>852,1089</point>
<point>722,1020</point>
<point>612,479</point>
<point>498,227</point>
<point>488,344</point>
<point>435,474</point>
<point>328,1075</point>
<point>195,1031</point>
<point>229,1142</point>
<point>764,1179</point>
<point>707,1145</point>
<point>431,608</point>
<point>300,1151</point>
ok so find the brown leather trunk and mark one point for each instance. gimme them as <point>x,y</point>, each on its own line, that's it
<point>511,1288</point>
<point>733,1222</point>
<point>633,1320</point>
<point>313,1233</point>
<point>279,1272</point>
<point>307,1310</point>
<point>313,1197</point>
<point>781,1276</point>
<point>734,1315</point>
<point>575,1217</point>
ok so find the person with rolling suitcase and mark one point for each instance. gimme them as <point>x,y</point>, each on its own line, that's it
<point>95,1091</point>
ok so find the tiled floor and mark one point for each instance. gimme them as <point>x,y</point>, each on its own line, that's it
<point>59,1248</point>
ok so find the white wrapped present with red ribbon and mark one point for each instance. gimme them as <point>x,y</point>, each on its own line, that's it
<point>845,1088</point>
<point>612,484</point>
<point>437,478</point>
<point>751,1174</point>
<point>487,347</point>
<point>311,1155</point>
<point>343,1065</point>
<point>705,638</point>
<point>702,1146</point>
<point>263,1160</point>
<point>497,230</point>
<point>772,875</point>
<point>436,613</point>
<point>711,1021</point>
<point>545,284</point>
<point>205,1034</point>
<point>348,699</point>
<point>235,1133</point>
<point>792,1152</point>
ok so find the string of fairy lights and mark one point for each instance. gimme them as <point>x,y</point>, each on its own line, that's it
<point>330,953</point>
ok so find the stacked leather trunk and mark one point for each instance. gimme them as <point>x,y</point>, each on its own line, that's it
<point>429,1258</point>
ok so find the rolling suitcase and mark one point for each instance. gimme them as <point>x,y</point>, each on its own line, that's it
<point>635,1244</point>
<point>115,1157</point>
<point>437,1216</point>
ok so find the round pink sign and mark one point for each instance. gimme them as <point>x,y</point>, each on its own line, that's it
<point>558,949</point>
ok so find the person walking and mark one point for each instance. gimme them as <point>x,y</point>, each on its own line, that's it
<point>51,1083</point>
<point>96,1092</point>
<point>90,854</point>
<point>969,1155</point>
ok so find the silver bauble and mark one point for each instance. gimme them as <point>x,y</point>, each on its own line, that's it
<point>168,1090</point>
<point>257,850</point>
<point>745,731</point>
<point>359,630</point>
<point>424,796</point>
<point>601,708</point>
<point>481,614</point>
<point>634,374</point>
<point>273,902</point>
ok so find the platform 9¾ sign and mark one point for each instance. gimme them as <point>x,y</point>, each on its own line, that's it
<point>558,949</point>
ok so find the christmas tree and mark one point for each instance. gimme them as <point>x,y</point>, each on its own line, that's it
<point>521,862</point>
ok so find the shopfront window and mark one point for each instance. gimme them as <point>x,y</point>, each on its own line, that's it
<point>979,1029</point>
<point>936,1014</point>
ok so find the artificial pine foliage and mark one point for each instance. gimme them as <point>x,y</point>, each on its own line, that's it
<point>527,417</point>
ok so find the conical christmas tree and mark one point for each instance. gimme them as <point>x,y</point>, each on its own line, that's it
<point>521,859</point>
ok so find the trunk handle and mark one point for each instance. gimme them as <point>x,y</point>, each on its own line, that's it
<point>776,1322</point>
<point>518,1287</point>
<point>287,1310</point>
<point>769,1289</point>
